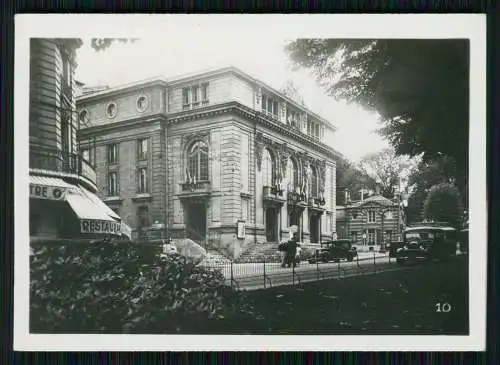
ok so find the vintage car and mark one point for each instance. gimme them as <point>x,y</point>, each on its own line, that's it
<point>335,251</point>
<point>157,234</point>
<point>427,241</point>
<point>393,247</point>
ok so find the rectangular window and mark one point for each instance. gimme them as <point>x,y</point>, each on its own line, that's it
<point>293,118</point>
<point>371,236</point>
<point>142,187</point>
<point>204,92</point>
<point>142,149</point>
<point>371,217</point>
<point>269,105</point>
<point>185,96</point>
<point>275,108</point>
<point>112,153</point>
<point>112,184</point>
<point>264,103</point>
<point>195,94</point>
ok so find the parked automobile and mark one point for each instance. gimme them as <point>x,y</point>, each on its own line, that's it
<point>393,247</point>
<point>337,250</point>
<point>157,234</point>
<point>427,241</point>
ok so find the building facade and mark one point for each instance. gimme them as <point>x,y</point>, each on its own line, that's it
<point>63,203</point>
<point>219,157</point>
<point>370,222</point>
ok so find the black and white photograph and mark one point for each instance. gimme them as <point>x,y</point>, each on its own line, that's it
<point>250,182</point>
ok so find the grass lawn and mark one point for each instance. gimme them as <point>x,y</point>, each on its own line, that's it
<point>401,302</point>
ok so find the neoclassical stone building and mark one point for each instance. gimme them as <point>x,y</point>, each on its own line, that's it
<point>219,157</point>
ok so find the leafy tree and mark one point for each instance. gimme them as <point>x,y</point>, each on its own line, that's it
<point>386,169</point>
<point>100,44</point>
<point>419,88</point>
<point>428,174</point>
<point>350,177</point>
<point>443,204</point>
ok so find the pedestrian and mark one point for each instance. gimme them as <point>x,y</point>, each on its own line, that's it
<point>291,250</point>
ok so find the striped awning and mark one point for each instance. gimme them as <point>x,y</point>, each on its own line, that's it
<point>49,188</point>
<point>95,199</point>
<point>95,216</point>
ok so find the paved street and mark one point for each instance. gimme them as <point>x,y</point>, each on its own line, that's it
<point>251,276</point>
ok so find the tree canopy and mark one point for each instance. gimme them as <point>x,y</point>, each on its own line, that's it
<point>443,205</point>
<point>420,88</point>
<point>349,176</point>
<point>100,44</point>
<point>386,169</point>
<point>428,174</point>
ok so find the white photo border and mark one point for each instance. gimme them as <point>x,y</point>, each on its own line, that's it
<point>470,26</point>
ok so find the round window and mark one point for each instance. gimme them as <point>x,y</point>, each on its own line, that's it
<point>84,117</point>
<point>111,110</point>
<point>142,103</point>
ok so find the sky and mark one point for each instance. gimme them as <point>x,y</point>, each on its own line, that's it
<point>262,57</point>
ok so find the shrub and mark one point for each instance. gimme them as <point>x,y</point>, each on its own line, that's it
<point>117,287</point>
<point>443,203</point>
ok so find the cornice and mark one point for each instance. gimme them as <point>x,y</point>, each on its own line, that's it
<point>241,110</point>
<point>139,121</point>
<point>120,90</point>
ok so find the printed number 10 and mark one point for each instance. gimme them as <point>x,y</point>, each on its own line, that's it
<point>443,307</point>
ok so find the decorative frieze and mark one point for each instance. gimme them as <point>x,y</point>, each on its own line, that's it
<point>283,155</point>
<point>259,149</point>
<point>321,166</point>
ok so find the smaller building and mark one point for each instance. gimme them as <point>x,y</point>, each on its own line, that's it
<point>371,222</point>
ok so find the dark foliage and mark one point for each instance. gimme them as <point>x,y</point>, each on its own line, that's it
<point>120,287</point>
<point>419,87</point>
<point>428,174</point>
<point>443,205</point>
<point>100,44</point>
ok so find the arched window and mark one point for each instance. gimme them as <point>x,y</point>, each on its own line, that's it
<point>292,171</point>
<point>313,189</point>
<point>268,171</point>
<point>198,161</point>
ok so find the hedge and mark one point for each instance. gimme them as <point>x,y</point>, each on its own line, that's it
<point>124,287</point>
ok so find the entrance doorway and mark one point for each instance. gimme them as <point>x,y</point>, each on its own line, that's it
<point>196,221</point>
<point>272,225</point>
<point>314,228</point>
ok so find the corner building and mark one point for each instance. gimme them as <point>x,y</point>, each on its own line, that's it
<point>219,157</point>
<point>62,204</point>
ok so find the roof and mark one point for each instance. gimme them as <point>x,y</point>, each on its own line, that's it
<point>165,81</point>
<point>429,227</point>
<point>379,199</point>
